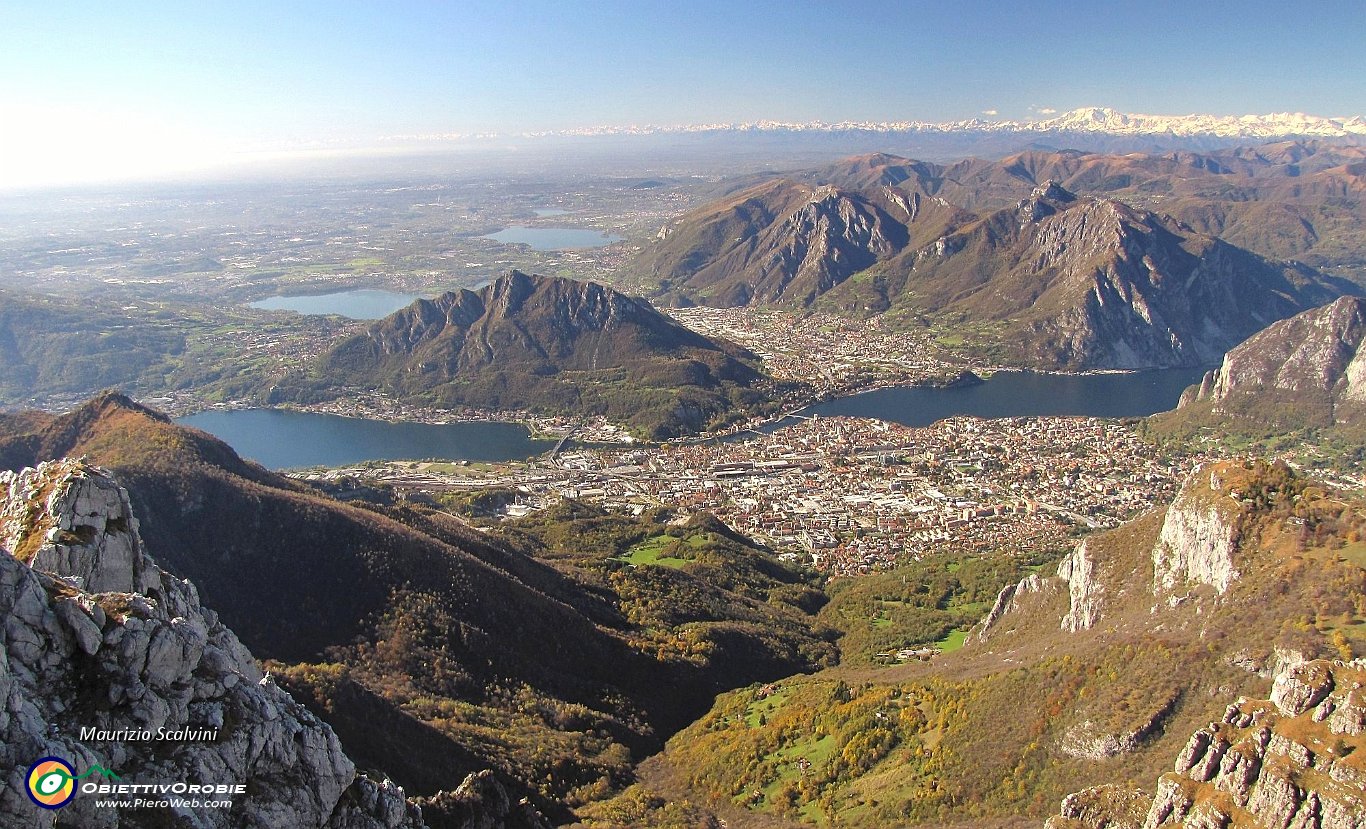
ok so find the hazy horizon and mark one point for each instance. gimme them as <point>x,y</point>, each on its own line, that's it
<point>105,93</point>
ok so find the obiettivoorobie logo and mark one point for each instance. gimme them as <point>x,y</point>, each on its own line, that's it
<point>52,781</point>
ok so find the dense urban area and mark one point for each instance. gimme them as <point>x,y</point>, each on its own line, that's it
<point>847,495</point>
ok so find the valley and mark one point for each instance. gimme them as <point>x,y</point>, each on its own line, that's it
<point>855,495</point>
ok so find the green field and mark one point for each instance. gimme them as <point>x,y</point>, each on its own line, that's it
<point>654,550</point>
<point>952,642</point>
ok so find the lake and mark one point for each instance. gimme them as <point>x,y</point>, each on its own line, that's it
<point>282,439</point>
<point>1022,394</point>
<point>362,304</point>
<point>553,238</point>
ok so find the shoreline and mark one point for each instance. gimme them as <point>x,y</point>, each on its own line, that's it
<point>373,406</point>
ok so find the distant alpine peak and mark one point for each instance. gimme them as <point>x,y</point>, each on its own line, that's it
<point>1104,120</point>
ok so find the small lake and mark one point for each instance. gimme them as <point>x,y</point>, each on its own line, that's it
<point>1022,394</point>
<point>553,238</point>
<point>543,212</point>
<point>362,304</point>
<point>282,439</point>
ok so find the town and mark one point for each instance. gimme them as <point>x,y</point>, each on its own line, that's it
<point>845,495</point>
<point>836,355</point>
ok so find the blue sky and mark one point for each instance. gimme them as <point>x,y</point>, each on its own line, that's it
<point>225,76</point>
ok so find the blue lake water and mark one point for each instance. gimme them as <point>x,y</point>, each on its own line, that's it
<point>1022,394</point>
<point>553,238</point>
<point>362,304</point>
<point>281,439</point>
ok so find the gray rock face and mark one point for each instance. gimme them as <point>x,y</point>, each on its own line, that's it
<point>1008,601</point>
<point>481,802</point>
<point>1198,538</point>
<point>1086,741</point>
<point>104,657</point>
<point>1084,589</point>
<point>88,532</point>
<point>1277,764</point>
<point>1312,358</point>
<point>1301,687</point>
<point>1110,806</point>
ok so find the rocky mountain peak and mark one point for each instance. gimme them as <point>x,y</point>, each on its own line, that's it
<point>1199,536</point>
<point>65,517</point>
<point>99,642</point>
<point>1315,352</point>
<point>1046,200</point>
<point>1052,191</point>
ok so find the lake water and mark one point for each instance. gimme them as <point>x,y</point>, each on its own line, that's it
<point>1022,394</point>
<point>281,439</point>
<point>553,238</point>
<point>363,304</point>
<point>548,211</point>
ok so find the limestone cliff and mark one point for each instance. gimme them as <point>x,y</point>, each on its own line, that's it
<point>1311,364</point>
<point>1009,600</point>
<point>1295,760</point>
<point>1196,545</point>
<point>97,638</point>
<point>1198,537</point>
<point>1084,589</point>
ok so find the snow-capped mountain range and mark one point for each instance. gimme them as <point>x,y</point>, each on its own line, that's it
<point>1086,119</point>
<point>1091,120</point>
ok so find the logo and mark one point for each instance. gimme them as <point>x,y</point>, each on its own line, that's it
<point>52,781</point>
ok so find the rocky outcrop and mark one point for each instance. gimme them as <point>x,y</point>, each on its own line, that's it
<point>1311,359</point>
<point>1198,544</point>
<point>1083,588</point>
<point>481,802</point>
<point>1087,741</point>
<point>1199,537</point>
<point>110,663</point>
<point>1102,807</point>
<point>1291,762</point>
<point>1007,601</point>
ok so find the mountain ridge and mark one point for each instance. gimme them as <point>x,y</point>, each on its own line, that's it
<point>1082,119</point>
<point>547,344</point>
<point>1074,282</point>
<point>400,615</point>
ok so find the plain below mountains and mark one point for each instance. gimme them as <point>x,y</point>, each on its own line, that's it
<point>1050,278</point>
<point>545,344</point>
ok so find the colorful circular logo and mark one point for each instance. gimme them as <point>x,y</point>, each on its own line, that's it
<point>51,782</point>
